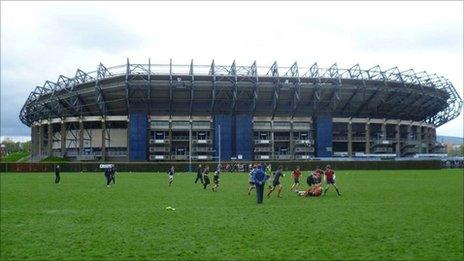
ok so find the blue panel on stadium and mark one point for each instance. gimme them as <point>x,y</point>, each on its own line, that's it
<point>226,136</point>
<point>243,136</point>
<point>138,125</point>
<point>323,126</point>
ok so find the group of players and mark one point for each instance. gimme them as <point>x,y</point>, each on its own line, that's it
<point>314,181</point>
<point>258,177</point>
<point>202,176</point>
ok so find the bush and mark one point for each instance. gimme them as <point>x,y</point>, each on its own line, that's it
<point>15,156</point>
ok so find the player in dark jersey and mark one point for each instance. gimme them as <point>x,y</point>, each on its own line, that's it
<point>315,178</point>
<point>113,174</point>
<point>206,177</point>
<point>296,178</point>
<point>199,175</point>
<point>329,177</point>
<point>108,176</point>
<point>57,174</point>
<point>171,175</point>
<point>216,181</point>
<point>315,185</point>
<point>276,182</point>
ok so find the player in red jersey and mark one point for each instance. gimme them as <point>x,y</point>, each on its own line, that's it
<point>329,177</point>
<point>296,178</point>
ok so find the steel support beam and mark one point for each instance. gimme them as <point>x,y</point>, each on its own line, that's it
<point>274,72</point>
<point>192,87</point>
<point>254,74</point>
<point>212,72</point>
<point>233,77</point>
<point>63,138</point>
<point>293,72</point>
<point>102,73</point>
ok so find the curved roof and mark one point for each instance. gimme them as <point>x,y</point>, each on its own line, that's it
<point>168,89</point>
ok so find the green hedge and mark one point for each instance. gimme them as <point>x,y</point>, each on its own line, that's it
<point>184,166</point>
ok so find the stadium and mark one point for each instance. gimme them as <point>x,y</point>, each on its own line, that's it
<point>168,112</point>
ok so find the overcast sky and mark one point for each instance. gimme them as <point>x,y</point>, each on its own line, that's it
<point>41,40</point>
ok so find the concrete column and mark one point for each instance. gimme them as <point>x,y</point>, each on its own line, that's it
<point>419,137</point>
<point>49,138</point>
<point>190,147</point>
<point>291,142</point>
<point>33,141</point>
<point>40,140</point>
<point>427,139</point>
<point>368,138</point>
<point>272,142</point>
<point>409,131</point>
<point>63,139</point>
<point>81,137</point>
<point>128,138</point>
<point>103,147</point>
<point>170,142</point>
<point>398,143</point>
<point>384,130</point>
<point>350,140</point>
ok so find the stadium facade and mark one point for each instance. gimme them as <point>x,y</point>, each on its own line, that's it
<point>139,112</point>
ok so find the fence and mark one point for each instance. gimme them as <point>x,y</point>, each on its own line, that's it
<point>184,166</point>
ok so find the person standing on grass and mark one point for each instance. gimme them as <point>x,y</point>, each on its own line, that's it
<point>199,175</point>
<point>296,178</point>
<point>251,181</point>
<point>57,174</point>
<point>216,181</point>
<point>259,177</point>
<point>329,177</point>
<point>171,175</point>
<point>276,182</point>
<point>269,174</point>
<point>113,174</point>
<point>108,176</point>
<point>206,177</point>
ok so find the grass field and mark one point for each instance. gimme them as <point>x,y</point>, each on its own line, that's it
<point>381,215</point>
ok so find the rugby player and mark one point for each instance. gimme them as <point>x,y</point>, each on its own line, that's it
<point>296,178</point>
<point>206,177</point>
<point>251,181</point>
<point>171,175</point>
<point>199,175</point>
<point>216,181</point>
<point>276,182</point>
<point>329,177</point>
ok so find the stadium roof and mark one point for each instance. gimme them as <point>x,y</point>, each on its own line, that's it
<point>168,89</point>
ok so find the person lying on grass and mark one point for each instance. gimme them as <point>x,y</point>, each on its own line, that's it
<point>314,191</point>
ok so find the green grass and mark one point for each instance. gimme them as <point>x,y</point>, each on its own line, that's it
<point>382,215</point>
<point>15,156</point>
